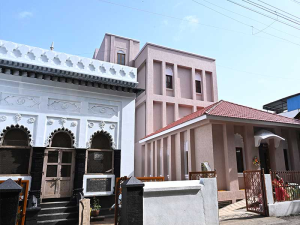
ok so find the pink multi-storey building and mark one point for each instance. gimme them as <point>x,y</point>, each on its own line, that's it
<point>180,124</point>
<point>176,83</point>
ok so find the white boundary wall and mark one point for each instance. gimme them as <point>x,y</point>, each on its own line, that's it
<point>280,208</point>
<point>181,202</point>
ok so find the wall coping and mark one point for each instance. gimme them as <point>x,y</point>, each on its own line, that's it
<point>173,186</point>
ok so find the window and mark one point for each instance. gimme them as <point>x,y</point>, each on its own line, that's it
<point>286,159</point>
<point>100,161</point>
<point>169,78</point>
<point>61,139</point>
<point>121,57</point>
<point>239,160</point>
<point>198,82</point>
<point>15,153</point>
<point>169,82</point>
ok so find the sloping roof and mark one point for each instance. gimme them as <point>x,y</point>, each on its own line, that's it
<point>231,110</point>
<point>279,105</point>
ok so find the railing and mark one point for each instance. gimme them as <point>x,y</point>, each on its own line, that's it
<point>118,191</point>
<point>202,174</point>
<point>286,185</point>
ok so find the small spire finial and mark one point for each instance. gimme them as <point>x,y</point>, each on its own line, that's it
<point>52,46</point>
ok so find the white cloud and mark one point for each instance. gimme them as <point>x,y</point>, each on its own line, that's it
<point>25,14</point>
<point>165,22</point>
<point>188,24</point>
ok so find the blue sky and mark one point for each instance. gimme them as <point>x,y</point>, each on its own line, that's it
<point>252,69</point>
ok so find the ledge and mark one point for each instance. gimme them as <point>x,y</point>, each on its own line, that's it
<point>42,58</point>
<point>172,186</point>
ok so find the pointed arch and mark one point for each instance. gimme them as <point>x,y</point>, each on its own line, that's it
<point>101,140</point>
<point>61,137</point>
<point>16,135</point>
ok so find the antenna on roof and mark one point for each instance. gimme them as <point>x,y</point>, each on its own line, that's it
<point>52,46</point>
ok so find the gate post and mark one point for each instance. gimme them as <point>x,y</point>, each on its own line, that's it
<point>132,202</point>
<point>9,202</point>
<point>264,193</point>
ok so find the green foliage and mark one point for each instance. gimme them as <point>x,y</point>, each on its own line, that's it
<point>96,204</point>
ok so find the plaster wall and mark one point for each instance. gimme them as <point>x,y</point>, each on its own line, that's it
<point>175,103</point>
<point>181,202</point>
<point>44,106</point>
<point>204,146</point>
<point>218,149</point>
<point>110,46</point>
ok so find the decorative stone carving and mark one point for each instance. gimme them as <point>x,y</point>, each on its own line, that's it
<point>91,125</point>
<point>122,72</point>
<point>102,125</point>
<point>3,118</point>
<point>74,124</point>
<point>88,144</point>
<point>103,110</point>
<point>20,100</point>
<point>31,120</point>
<point>112,126</point>
<point>18,117</point>
<point>62,121</point>
<point>50,122</point>
<point>63,105</point>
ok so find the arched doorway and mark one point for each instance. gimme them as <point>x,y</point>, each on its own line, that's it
<point>59,164</point>
<point>15,150</point>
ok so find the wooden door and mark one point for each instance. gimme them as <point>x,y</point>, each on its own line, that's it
<point>58,173</point>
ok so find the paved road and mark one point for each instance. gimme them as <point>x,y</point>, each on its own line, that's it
<point>236,214</point>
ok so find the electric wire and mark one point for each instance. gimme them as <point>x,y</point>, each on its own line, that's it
<point>272,12</point>
<point>292,35</point>
<point>264,14</point>
<point>279,9</point>
<point>272,35</point>
<point>202,24</point>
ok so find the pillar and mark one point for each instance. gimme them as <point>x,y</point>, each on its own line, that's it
<point>169,151</point>
<point>178,157</point>
<point>230,158</point>
<point>293,150</point>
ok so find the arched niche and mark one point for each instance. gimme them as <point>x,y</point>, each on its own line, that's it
<point>62,138</point>
<point>15,135</point>
<point>101,140</point>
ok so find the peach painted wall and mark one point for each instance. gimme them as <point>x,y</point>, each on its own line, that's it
<point>204,146</point>
<point>185,82</point>
<point>218,150</point>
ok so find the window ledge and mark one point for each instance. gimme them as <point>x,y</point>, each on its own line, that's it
<point>169,89</point>
<point>240,175</point>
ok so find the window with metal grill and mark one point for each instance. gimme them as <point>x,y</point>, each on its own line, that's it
<point>100,161</point>
<point>239,160</point>
<point>198,86</point>
<point>169,82</point>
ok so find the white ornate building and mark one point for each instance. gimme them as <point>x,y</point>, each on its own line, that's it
<point>60,113</point>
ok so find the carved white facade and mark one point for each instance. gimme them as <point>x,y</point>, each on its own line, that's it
<point>43,105</point>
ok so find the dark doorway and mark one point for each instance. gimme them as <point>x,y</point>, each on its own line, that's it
<point>264,157</point>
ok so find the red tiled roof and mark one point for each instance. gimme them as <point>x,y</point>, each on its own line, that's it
<point>231,110</point>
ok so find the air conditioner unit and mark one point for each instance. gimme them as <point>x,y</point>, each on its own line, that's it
<point>98,185</point>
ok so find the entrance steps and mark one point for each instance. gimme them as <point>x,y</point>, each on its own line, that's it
<point>58,211</point>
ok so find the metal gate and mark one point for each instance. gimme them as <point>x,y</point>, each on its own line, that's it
<point>255,192</point>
